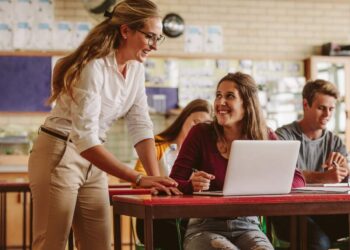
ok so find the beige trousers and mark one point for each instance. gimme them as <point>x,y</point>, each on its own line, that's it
<point>67,190</point>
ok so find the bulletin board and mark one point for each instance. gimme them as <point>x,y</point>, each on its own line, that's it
<point>24,83</point>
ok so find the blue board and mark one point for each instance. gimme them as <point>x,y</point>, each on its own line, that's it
<point>24,83</point>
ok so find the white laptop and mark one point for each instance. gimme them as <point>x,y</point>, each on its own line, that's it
<point>259,167</point>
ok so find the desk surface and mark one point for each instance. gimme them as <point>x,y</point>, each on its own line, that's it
<point>161,207</point>
<point>204,206</point>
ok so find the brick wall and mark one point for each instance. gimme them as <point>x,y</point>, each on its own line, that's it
<point>257,29</point>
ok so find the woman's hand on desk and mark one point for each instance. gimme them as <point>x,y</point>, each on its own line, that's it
<point>201,180</point>
<point>160,185</point>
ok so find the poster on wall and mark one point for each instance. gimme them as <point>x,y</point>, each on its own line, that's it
<point>214,39</point>
<point>194,39</point>
<point>22,35</point>
<point>5,36</point>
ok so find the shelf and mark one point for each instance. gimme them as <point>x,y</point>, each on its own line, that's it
<point>160,54</point>
<point>33,53</point>
<point>14,140</point>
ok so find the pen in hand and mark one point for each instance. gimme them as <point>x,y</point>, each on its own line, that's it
<point>336,164</point>
<point>194,170</point>
<point>201,180</point>
<point>337,167</point>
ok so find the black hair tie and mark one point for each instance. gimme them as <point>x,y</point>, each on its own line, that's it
<point>108,14</point>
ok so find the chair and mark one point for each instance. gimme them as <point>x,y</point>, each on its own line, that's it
<point>178,226</point>
<point>15,187</point>
<point>280,244</point>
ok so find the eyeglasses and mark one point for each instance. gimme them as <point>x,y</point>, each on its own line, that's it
<point>153,39</point>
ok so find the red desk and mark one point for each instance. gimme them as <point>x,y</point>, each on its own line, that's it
<point>156,207</point>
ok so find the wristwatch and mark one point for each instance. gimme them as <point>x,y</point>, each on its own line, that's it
<point>138,179</point>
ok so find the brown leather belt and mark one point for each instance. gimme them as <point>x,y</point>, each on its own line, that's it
<point>54,134</point>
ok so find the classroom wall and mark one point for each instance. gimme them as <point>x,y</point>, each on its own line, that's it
<point>266,29</point>
<point>253,29</point>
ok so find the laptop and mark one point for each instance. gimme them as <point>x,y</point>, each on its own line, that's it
<point>259,167</point>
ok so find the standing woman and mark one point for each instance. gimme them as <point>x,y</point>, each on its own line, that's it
<point>238,116</point>
<point>98,83</point>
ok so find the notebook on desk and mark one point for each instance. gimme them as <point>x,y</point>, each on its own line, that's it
<point>259,167</point>
<point>324,189</point>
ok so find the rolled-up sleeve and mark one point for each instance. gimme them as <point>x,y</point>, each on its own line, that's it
<point>139,123</point>
<point>87,107</point>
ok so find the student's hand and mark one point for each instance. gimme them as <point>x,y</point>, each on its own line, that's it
<point>336,168</point>
<point>336,158</point>
<point>172,190</point>
<point>201,180</point>
<point>163,185</point>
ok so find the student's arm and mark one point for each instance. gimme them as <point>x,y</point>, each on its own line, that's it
<point>139,167</point>
<point>189,158</point>
<point>298,180</point>
<point>333,175</point>
<point>106,161</point>
<point>336,166</point>
<point>147,154</point>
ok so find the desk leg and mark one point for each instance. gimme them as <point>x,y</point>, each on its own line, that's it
<point>293,233</point>
<point>2,221</point>
<point>117,232</point>
<point>349,230</point>
<point>302,223</point>
<point>148,228</point>
<point>24,239</point>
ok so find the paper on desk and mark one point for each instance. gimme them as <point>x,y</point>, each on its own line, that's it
<point>338,189</point>
<point>342,184</point>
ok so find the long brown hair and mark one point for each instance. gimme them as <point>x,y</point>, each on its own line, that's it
<point>254,126</point>
<point>100,42</point>
<point>172,132</point>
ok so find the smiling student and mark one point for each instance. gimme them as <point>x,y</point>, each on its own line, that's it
<point>98,83</point>
<point>238,116</point>
<point>322,159</point>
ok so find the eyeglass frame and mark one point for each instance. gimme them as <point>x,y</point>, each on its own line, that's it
<point>152,38</point>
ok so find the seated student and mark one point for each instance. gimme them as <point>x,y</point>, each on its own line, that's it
<point>322,159</point>
<point>195,112</point>
<point>238,116</point>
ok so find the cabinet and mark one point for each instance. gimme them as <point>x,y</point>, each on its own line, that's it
<point>337,71</point>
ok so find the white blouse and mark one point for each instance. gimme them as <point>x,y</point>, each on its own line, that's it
<point>101,97</point>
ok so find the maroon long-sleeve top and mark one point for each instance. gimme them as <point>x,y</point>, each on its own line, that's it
<point>199,151</point>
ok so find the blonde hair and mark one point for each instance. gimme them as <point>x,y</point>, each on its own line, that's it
<point>254,125</point>
<point>100,42</point>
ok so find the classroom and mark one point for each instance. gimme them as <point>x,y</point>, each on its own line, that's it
<point>117,115</point>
